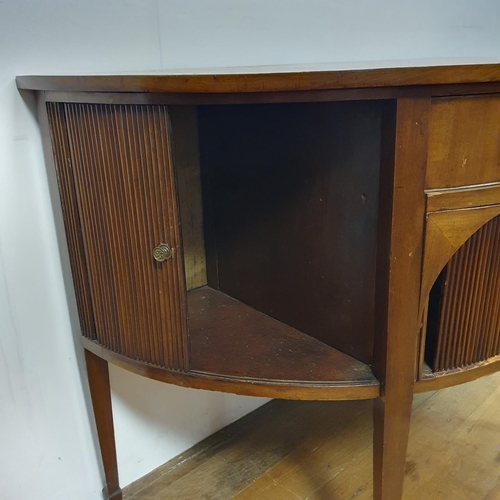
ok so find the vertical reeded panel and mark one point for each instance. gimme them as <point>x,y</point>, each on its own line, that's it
<point>125,187</point>
<point>67,190</point>
<point>469,320</point>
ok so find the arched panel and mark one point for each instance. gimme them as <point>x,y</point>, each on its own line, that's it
<point>464,322</point>
<point>445,233</point>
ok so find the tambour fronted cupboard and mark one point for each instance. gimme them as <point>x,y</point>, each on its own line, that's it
<point>314,235</point>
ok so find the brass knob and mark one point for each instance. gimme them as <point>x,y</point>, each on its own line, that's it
<point>162,252</point>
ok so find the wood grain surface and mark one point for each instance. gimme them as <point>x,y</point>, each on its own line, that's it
<point>399,274</point>
<point>186,160</point>
<point>463,197</point>
<point>121,163</point>
<point>266,82</point>
<point>464,142</point>
<point>230,339</point>
<point>445,233</point>
<point>294,201</point>
<point>72,218</point>
<point>320,451</point>
<point>100,393</point>
<point>469,325</point>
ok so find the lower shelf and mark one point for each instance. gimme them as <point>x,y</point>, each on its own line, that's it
<point>230,339</point>
<point>237,349</point>
<point>431,381</point>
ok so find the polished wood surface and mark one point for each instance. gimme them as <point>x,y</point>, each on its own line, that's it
<point>468,329</point>
<point>445,233</point>
<point>294,199</point>
<point>270,97</point>
<point>334,218</point>
<point>125,189</point>
<point>463,197</point>
<point>430,381</point>
<point>72,219</point>
<point>318,451</point>
<point>186,160</point>
<point>464,142</point>
<point>306,391</point>
<point>268,82</point>
<point>230,339</point>
<point>397,339</point>
<point>100,392</point>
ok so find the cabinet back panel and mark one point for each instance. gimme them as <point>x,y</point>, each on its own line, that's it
<point>125,191</point>
<point>293,192</point>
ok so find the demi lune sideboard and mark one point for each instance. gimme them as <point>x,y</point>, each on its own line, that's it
<point>315,235</point>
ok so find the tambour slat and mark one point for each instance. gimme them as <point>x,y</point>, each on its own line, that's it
<point>71,215</point>
<point>469,321</point>
<point>119,189</point>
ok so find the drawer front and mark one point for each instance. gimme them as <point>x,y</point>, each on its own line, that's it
<point>464,142</point>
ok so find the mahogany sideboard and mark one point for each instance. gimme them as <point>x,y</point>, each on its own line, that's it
<point>314,235</point>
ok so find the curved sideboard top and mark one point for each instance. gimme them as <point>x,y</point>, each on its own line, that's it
<point>283,234</point>
<point>280,80</point>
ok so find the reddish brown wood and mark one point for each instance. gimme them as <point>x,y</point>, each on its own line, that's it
<point>187,168</point>
<point>351,94</point>
<point>435,381</point>
<point>268,82</point>
<point>71,215</point>
<point>464,142</point>
<point>117,183</point>
<point>125,188</point>
<point>445,233</point>
<point>100,392</point>
<point>468,331</point>
<point>463,197</point>
<point>294,196</point>
<point>310,391</point>
<point>399,273</point>
<point>231,339</point>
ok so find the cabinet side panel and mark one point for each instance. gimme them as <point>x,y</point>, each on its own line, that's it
<point>72,223</point>
<point>126,194</point>
<point>187,168</point>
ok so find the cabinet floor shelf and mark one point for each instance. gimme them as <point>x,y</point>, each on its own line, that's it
<point>231,339</point>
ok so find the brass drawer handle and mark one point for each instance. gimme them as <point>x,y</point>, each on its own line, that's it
<point>162,252</point>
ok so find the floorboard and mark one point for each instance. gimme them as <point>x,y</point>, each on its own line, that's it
<point>289,450</point>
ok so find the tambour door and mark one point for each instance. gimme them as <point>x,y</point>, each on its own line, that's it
<point>117,186</point>
<point>460,295</point>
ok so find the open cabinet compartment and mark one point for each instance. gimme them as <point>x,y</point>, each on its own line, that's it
<point>278,207</point>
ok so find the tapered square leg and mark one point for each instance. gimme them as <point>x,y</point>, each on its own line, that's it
<point>100,392</point>
<point>391,421</point>
<point>399,265</point>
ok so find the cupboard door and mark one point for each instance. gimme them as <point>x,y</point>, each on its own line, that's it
<point>468,327</point>
<point>117,182</point>
<point>460,290</point>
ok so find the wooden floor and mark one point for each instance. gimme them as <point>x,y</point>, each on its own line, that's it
<point>289,450</point>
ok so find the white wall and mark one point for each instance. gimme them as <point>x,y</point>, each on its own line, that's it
<point>47,449</point>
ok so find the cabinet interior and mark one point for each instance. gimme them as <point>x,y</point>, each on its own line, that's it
<point>278,207</point>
